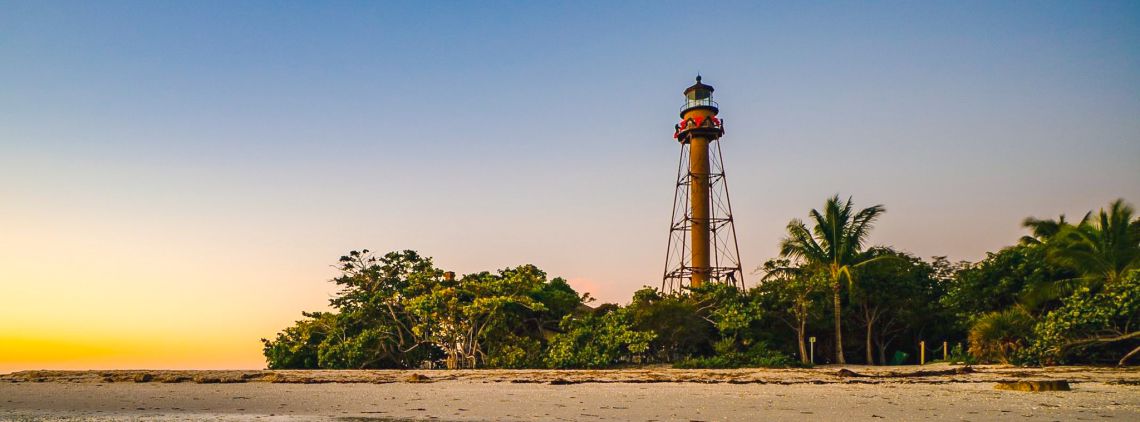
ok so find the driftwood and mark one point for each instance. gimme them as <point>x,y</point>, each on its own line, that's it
<point>1033,386</point>
<point>1128,355</point>
<point>1105,340</point>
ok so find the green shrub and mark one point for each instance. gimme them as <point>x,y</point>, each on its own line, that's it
<point>1074,331</point>
<point>757,356</point>
<point>590,341</point>
<point>514,352</point>
<point>959,355</point>
<point>1001,336</point>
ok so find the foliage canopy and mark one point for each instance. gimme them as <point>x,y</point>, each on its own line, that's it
<point>1065,293</point>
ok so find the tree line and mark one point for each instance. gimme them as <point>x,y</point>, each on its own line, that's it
<point>1069,292</point>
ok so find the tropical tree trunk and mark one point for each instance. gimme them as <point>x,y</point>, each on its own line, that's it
<point>882,353</point>
<point>871,315</point>
<point>838,324</point>
<point>870,354</point>
<point>884,336</point>
<point>800,338</point>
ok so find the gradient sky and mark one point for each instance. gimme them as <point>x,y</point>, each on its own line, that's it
<point>176,178</point>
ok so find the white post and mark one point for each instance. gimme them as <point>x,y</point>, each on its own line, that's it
<point>812,341</point>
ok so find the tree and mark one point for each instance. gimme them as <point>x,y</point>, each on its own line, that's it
<point>890,297</point>
<point>1043,230</point>
<point>298,347</point>
<point>374,325</point>
<point>371,327</point>
<point>398,311</point>
<point>596,341</point>
<point>999,298</point>
<point>679,330</point>
<point>728,309</point>
<point>835,244</point>
<point>1102,309</point>
<point>484,312</point>
<point>1101,249</point>
<point>1017,275</point>
<point>792,296</point>
<point>1064,290</point>
<point>1093,325</point>
<point>691,323</point>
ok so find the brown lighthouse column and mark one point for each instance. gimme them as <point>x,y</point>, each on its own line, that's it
<point>699,199</point>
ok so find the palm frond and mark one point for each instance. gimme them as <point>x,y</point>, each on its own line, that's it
<point>862,224</point>
<point>1104,247</point>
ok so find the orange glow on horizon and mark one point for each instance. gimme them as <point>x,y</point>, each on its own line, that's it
<point>27,353</point>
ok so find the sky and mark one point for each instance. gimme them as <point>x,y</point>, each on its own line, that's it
<point>177,178</point>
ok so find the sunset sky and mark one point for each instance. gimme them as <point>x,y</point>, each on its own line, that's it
<point>176,178</point>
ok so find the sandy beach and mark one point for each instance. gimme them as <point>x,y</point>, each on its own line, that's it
<point>933,392</point>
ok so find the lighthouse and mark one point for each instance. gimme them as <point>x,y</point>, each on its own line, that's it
<point>702,245</point>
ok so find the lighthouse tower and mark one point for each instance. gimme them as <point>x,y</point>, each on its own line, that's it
<point>702,244</point>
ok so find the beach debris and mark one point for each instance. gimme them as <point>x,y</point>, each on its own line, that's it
<point>220,378</point>
<point>418,378</point>
<point>205,379</point>
<point>934,373</point>
<point>1034,386</point>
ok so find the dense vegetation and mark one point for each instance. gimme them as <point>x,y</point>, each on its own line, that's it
<point>1066,293</point>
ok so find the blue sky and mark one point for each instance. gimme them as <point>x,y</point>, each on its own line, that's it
<point>245,145</point>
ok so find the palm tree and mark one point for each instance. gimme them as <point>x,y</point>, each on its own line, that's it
<point>1043,230</point>
<point>1101,249</point>
<point>834,244</point>
<point>795,287</point>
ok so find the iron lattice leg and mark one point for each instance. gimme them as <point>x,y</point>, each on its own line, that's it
<point>725,263</point>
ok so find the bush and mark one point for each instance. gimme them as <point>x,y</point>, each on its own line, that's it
<point>1001,336</point>
<point>297,347</point>
<point>591,341</point>
<point>959,355</point>
<point>1077,331</point>
<point>758,356</point>
<point>515,352</point>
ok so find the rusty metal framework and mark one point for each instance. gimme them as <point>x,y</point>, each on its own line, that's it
<point>725,249</point>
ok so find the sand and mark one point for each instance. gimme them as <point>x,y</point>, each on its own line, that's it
<point>933,392</point>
